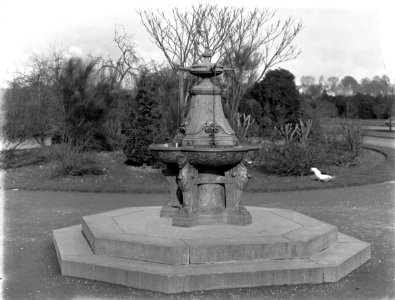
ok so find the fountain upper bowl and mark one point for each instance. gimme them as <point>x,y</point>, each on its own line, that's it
<point>221,156</point>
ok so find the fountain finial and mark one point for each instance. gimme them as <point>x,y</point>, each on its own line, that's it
<point>205,69</point>
<point>207,55</point>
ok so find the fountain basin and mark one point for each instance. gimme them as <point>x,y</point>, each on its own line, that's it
<point>223,156</point>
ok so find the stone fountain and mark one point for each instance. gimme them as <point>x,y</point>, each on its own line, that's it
<point>206,165</point>
<point>202,238</point>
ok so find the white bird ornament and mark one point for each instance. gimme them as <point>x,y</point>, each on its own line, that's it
<point>320,176</point>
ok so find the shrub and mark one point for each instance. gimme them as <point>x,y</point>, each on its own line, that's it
<point>352,136</point>
<point>295,132</point>
<point>115,138</point>
<point>290,158</point>
<point>287,132</point>
<point>73,160</point>
<point>243,122</point>
<point>297,150</point>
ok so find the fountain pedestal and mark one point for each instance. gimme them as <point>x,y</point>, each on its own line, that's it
<point>210,197</point>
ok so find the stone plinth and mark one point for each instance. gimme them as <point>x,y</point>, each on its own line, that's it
<point>137,248</point>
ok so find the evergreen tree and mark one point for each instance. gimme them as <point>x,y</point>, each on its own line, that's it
<point>145,121</point>
<point>278,97</point>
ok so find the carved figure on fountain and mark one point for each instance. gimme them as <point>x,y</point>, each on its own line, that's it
<point>237,179</point>
<point>185,181</point>
<point>174,203</point>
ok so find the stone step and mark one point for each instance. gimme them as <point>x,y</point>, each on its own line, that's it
<point>77,259</point>
<point>138,233</point>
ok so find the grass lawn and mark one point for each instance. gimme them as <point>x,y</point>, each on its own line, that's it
<point>364,122</point>
<point>372,127</point>
<point>381,133</point>
<point>39,173</point>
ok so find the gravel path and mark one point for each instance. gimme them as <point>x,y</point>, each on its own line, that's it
<point>31,270</point>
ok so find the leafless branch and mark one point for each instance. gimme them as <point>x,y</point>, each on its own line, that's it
<point>123,70</point>
<point>249,41</point>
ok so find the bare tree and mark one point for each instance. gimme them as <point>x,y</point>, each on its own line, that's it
<point>31,102</point>
<point>258,43</point>
<point>117,77</point>
<point>123,70</point>
<point>184,35</point>
<point>333,83</point>
<point>249,41</point>
<point>307,80</point>
<point>42,80</point>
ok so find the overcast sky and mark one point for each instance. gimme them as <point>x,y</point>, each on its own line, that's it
<point>337,39</point>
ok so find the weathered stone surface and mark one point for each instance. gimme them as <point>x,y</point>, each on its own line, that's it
<point>230,217</point>
<point>309,239</point>
<point>239,249</point>
<point>341,258</point>
<point>211,196</point>
<point>168,211</point>
<point>168,153</point>
<point>251,273</point>
<point>77,259</point>
<point>140,234</point>
<point>106,237</point>
<point>145,221</point>
<point>70,242</point>
<point>132,273</point>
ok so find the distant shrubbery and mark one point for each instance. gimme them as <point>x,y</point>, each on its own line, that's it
<point>371,98</point>
<point>361,106</point>
<point>87,105</point>
<point>73,160</point>
<point>292,150</point>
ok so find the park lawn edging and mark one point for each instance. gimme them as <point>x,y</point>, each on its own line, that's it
<point>382,172</point>
<point>136,181</point>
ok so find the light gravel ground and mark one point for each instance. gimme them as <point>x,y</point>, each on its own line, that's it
<point>32,271</point>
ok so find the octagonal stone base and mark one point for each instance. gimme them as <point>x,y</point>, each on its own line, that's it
<point>137,248</point>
